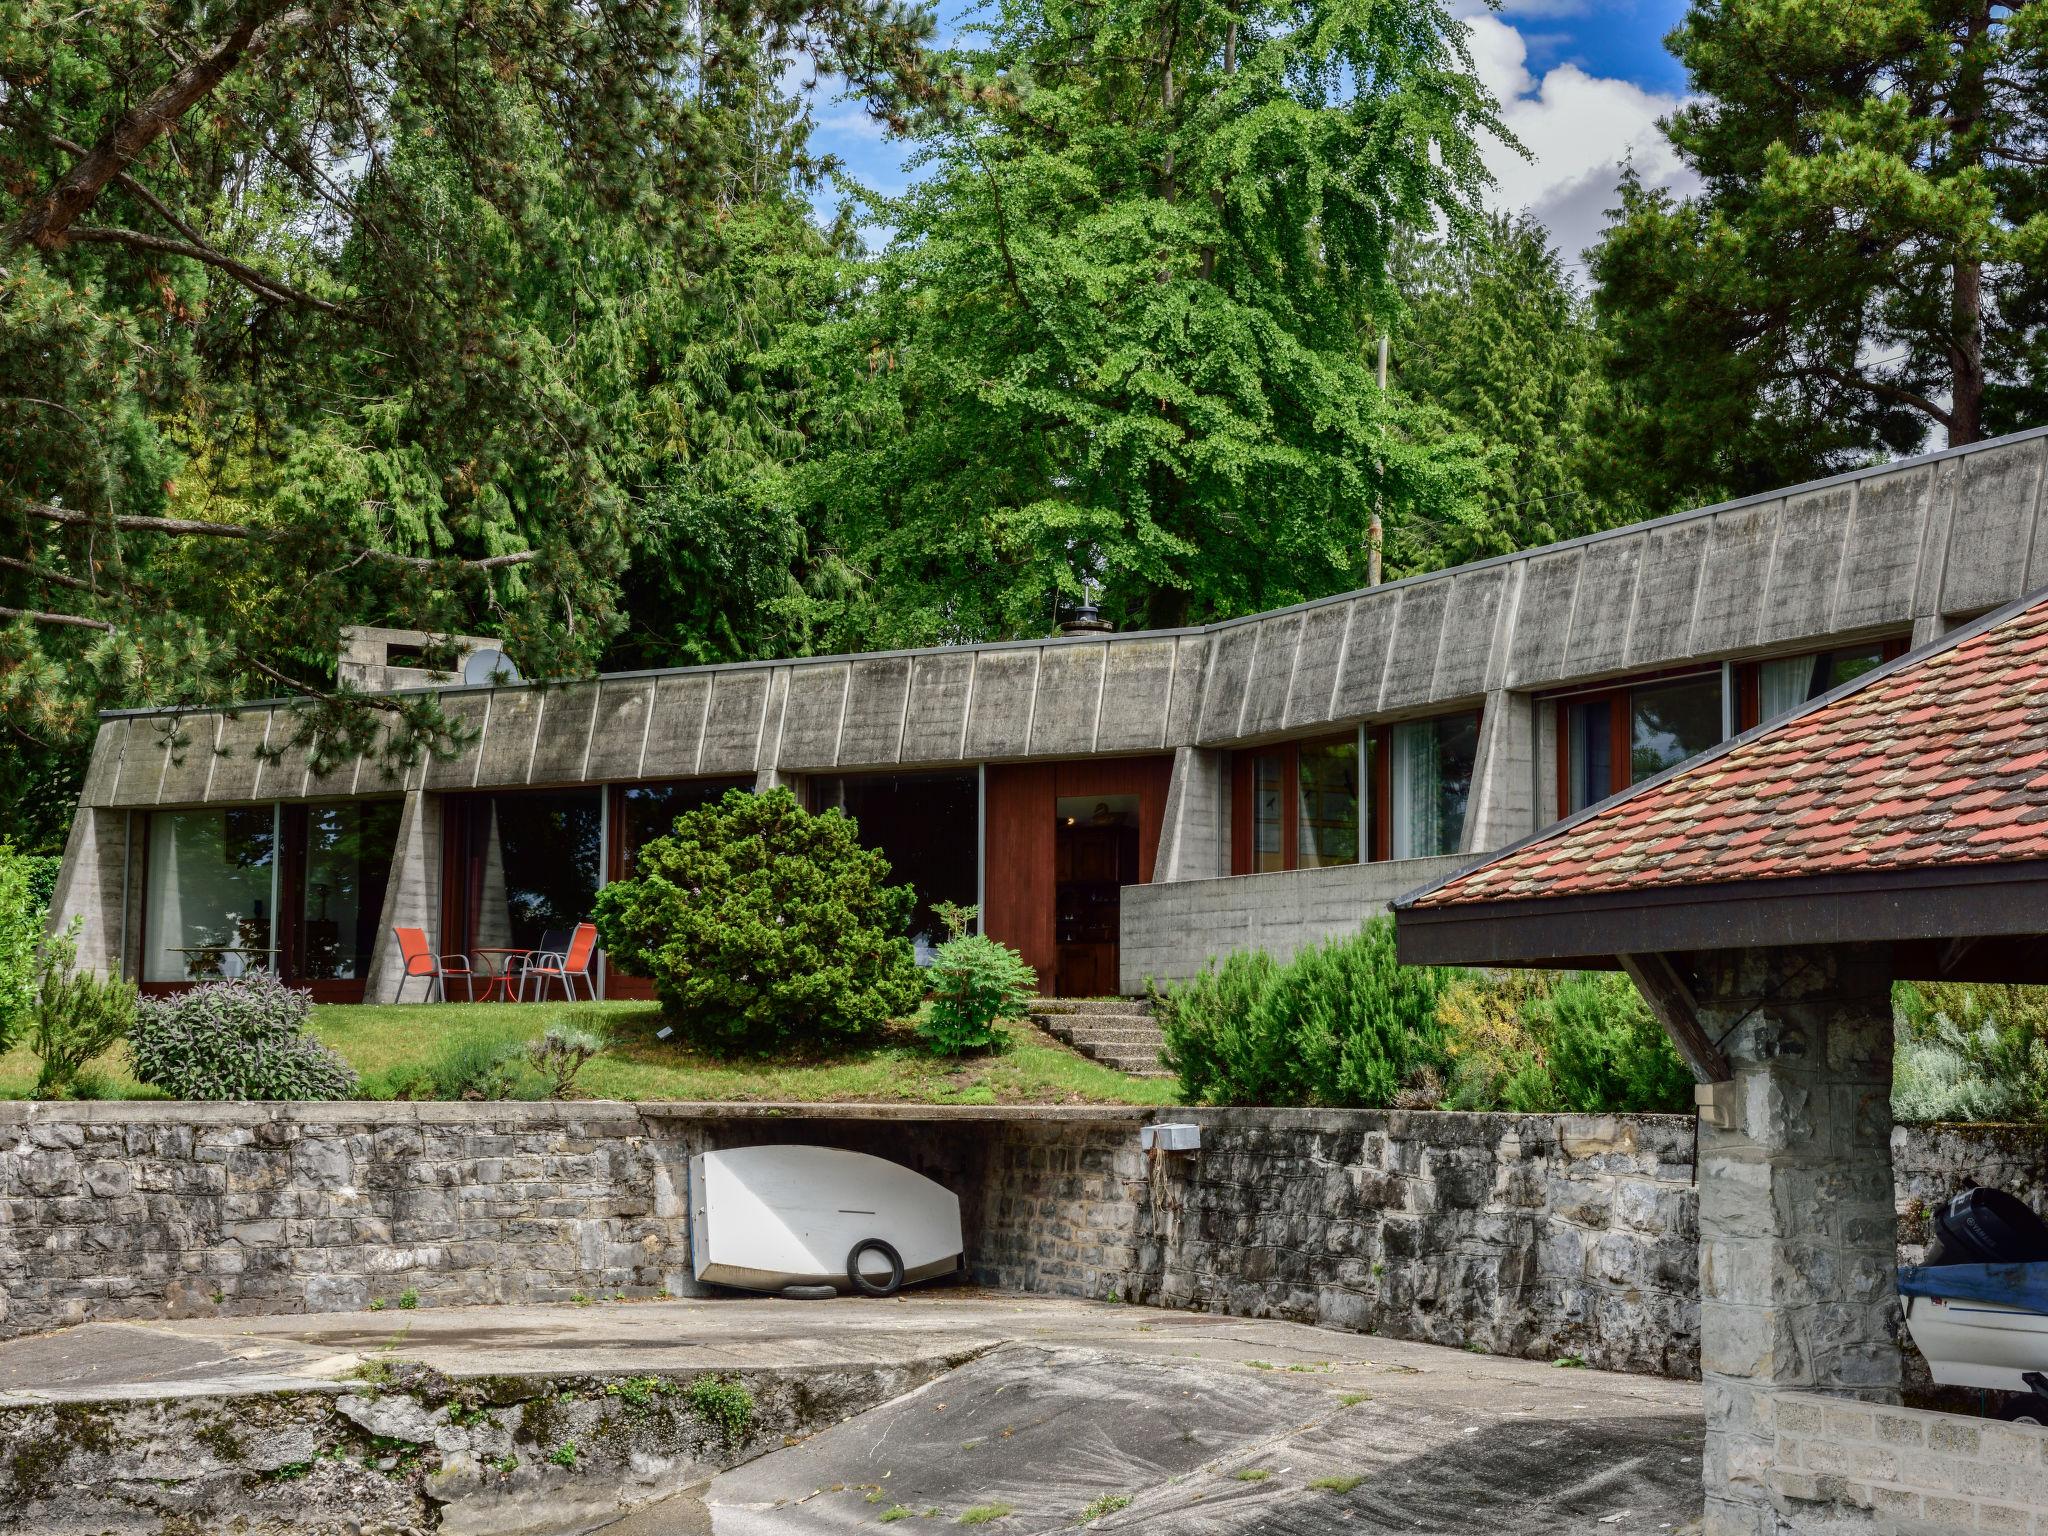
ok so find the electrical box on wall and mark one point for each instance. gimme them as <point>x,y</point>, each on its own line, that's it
<point>1169,1138</point>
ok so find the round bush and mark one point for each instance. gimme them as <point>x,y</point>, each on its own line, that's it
<point>241,1039</point>
<point>762,925</point>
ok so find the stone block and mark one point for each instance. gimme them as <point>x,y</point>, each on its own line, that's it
<point>566,735</point>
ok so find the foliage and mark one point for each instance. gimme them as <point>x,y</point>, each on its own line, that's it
<point>240,1039</point>
<point>467,1067</point>
<point>1606,1049</point>
<point>1578,1042</point>
<point>1865,259</point>
<point>21,929</point>
<point>975,981</point>
<point>956,918</point>
<point>1119,337</point>
<point>722,1404</point>
<point>75,1016</point>
<point>393,313</point>
<point>1343,1023</point>
<point>560,1053</point>
<point>1496,1059</point>
<point>1970,1051</point>
<point>1493,334</point>
<point>763,924</point>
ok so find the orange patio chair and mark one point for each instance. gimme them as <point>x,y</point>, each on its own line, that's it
<point>566,965</point>
<point>420,960</point>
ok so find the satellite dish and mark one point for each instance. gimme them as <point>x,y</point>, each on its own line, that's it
<point>480,669</point>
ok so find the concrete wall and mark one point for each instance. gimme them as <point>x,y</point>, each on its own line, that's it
<point>1171,931</point>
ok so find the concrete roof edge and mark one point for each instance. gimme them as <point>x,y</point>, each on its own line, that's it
<point>1808,487</point>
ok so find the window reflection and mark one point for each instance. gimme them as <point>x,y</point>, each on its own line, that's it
<point>1431,763</point>
<point>1670,722</point>
<point>341,892</point>
<point>211,893</point>
<point>1787,682</point>
<point>927,826</point>
<point>539,866</point>
<point>1269,802</point>
<point>648,811</point>
<point>1327,810</point>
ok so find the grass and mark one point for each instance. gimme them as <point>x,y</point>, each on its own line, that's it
<point>1337,1484</point>
<point>377,1039</point>
<point>983,1514</point>
<point>1252,1474</point>
<point>1108,1504</point>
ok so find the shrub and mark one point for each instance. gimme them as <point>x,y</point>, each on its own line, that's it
<point>975,981</point>
<point>1970,1052</point>
<point>239,1039</point>
<point>1495,1059</point>
<point>21,926</point>
<point>1343,1023</point>
<point>1608,1053</point>
<point>559,1054</point>
<point>473,1067</point>
<point>762,925</point>
<point>75,1015</point>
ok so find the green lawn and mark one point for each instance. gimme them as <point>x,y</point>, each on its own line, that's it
<point>1035,1070</point>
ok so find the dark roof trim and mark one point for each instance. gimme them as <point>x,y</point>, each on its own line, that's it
<point>1955,637</point>
<point>1942,901</point>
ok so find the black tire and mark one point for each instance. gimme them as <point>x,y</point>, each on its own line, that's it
<point>861,1282</point>
<point>2025,1408</point>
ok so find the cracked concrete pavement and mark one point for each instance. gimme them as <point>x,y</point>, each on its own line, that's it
<point>1157,1421</point>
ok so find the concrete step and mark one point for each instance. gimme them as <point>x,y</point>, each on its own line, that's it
<point>1111,1038</point>
<point>1127,1007</point>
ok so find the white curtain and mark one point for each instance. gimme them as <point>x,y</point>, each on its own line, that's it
<point>1785,684</point>
<point>204,892</point>
<point>1418,829</point>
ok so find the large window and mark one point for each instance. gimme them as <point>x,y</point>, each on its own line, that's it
<point>1430,783</point>
<point>336,897</point>
<point>523,867</point>
<point>643,812</point>
<point>210,893</point>
<point>1621,736</point>
<point>928,827</point>
<point>1786,682</point>
<point>1299,805</point>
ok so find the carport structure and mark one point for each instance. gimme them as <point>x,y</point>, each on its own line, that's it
<point>1764,898</point>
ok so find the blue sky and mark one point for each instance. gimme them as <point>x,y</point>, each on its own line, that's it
<point>1581,83</point>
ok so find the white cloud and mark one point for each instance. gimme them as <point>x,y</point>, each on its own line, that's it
<point>1579,129</point>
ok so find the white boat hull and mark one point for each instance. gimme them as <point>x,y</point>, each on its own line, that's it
<point>1978,1343</point>
<point>766,1218</point>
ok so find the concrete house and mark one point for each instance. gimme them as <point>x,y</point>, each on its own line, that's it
<point>1121,806</point>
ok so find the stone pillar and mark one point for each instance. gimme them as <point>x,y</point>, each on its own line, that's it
<point>1798,1237</point>
<point>1194,834</point>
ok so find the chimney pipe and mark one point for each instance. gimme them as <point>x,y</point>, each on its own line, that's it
<point>1087,619</point>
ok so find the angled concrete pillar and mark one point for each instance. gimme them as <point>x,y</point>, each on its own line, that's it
<point>1798,1237</point>
<point>1503,800</point>
<point>412,899</point>
<point>1194,836</point>
<point>91,885</point>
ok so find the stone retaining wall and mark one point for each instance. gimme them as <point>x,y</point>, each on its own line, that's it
<point>1541,1236</point>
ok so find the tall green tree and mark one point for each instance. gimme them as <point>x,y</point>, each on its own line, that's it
<point>295,307</point>
<point>1121,338</point>
<point>1493,333</point>
<point>1866,259</point>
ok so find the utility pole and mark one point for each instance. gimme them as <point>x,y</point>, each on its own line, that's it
<point>1372,559</point>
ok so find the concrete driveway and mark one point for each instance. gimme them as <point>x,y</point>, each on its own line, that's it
<point>1034,1413</point>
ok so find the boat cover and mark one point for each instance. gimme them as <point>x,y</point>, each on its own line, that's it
<point>2009,1285</point>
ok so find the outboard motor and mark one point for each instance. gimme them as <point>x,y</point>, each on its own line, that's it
<point>1987,1226</point>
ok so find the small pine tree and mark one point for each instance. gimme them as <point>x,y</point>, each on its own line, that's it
<point>764,925</point>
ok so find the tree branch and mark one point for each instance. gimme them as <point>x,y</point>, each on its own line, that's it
<point>186,528</point>
<point>143,193</point>
<point>1881,389</point>
<point>37,571</point>
<point>50,217</point>
<point>69,620</point>
<point>249,277</point>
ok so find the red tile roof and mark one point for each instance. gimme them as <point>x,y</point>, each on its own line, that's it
<point>1941,759</point>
